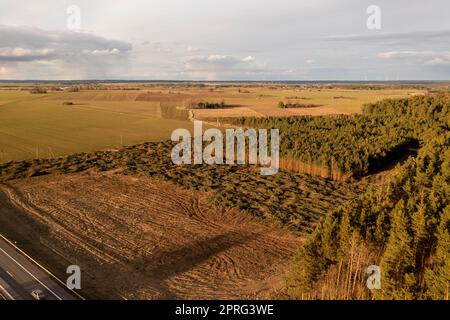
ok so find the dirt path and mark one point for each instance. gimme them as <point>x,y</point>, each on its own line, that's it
<point>144,239</point>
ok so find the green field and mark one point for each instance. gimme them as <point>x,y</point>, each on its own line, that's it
<point>32,126</point>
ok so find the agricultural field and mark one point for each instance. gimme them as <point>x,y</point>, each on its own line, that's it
<point>39,126</point>
<point>139,225</point>
<point>58,123</point>
<point>295,201</point>
<point>140,238</point>
<point>263,102</point>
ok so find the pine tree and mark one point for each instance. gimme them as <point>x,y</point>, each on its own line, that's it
<point>309,263</point>
<point>330,235</point>
<point>398,261</point>
<point>345,235</point>
<point>437,276</point>
<point>381,228</point>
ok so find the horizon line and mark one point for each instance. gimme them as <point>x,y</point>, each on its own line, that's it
<point>224,81</point>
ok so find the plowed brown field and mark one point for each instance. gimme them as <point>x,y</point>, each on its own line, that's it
<point>141,238</point>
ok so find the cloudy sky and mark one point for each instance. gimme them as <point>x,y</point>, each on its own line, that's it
<point>224,40</point>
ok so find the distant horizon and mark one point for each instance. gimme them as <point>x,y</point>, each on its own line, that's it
<point>226,81</point>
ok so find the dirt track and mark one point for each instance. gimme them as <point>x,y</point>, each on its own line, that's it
<point>143,239</point>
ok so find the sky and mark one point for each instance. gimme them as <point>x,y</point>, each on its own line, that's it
<point>224,40</point>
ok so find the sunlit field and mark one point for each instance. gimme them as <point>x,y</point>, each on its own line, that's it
<point>34,127</point>
<point>59,122</point>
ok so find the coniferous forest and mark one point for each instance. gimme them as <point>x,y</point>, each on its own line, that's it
<point>341,147</point>
<point>402,226</point>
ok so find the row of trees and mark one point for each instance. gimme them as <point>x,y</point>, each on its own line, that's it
<point>288,105</point>
<point>38,90</point>
<point>403,226</point>
<point>206,105</point>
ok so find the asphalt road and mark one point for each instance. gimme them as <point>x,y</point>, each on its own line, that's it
<point>19,276</point>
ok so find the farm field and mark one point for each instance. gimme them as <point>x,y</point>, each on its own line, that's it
<point>264,102</point>
<point>170,232</point>
<point>59,123</point>
<point>295,201</point>
<point>35,127</point>
<point>140,238</point>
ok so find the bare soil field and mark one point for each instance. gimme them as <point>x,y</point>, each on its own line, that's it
<point>208,114</point>
<point>147,239</point>
<point>99,95</point>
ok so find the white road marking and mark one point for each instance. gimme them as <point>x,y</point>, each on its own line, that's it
<point>39,265</point>
<point>6,292</point>
<point>10,274</point>
<point>24,269</point>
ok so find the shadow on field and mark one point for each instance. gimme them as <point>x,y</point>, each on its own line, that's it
<point>166,264</point>
<point>153,271</point>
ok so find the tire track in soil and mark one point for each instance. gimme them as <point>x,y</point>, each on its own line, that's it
<point>167,242</point>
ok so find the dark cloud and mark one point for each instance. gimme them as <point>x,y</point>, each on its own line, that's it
<point>22,54</point>
<point>85,53</point>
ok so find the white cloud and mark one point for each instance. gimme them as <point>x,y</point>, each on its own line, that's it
<point>218,57</point>
<point>392,36</point>
<point>404,54</point>
<point>427,58</point>
<point>105,52</point>
<point>249,59</point>
<point>436,62</point>
<point>191,49</point>
<point>309,61</point>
